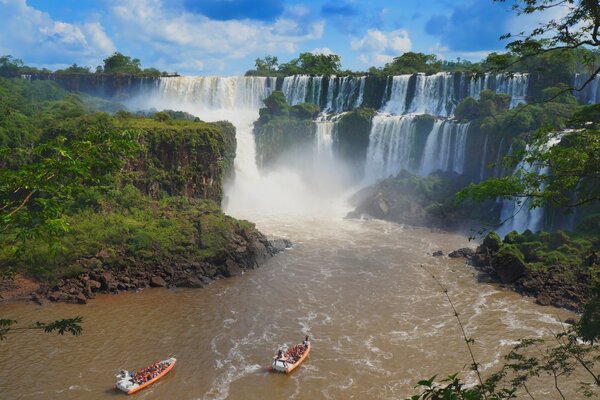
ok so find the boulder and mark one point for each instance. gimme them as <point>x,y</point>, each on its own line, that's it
<point>93,285</point>
<point>108,281</point>
<point>57,295</point>
<point>543,299</point>
<point>279,245</point>
<point>464,252</point>
<point>231,268</point>
<point>509,264</point>
<point>157,281</point>
<point>81,299</point>
<point>438,253</point>
<point>491,242</point>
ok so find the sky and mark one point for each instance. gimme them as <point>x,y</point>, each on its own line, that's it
<point>224,37</point>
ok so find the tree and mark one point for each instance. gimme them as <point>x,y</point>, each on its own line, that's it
<point>410,63</point>
<point>74,69</point>
<point>119,63</point>
<point>578,27</point>
<point>309,63</point>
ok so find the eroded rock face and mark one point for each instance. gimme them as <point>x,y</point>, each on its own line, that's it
<point>246,250</point>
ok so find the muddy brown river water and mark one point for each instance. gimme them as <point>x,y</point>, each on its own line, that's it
<point>378,323</point>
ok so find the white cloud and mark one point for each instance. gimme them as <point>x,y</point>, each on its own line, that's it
<point>178,36</point>
<point>33,35</point>
<point>378,47</point>
<point>326,51</point>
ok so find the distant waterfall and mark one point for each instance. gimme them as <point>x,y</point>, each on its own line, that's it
<point>590,93</point>
<point>390,145</point>
<point>515,85</point>
<point>236,99</point>
<point>438,94</point>
<point>324,140</point>
<point>445,148</point>
<point>434,94</point>
<point>205,94</point>
<point>295,88</point>
<point>343,92</point>
<point>483,159</point>
<point>516,212</point>
<point>397,102</point>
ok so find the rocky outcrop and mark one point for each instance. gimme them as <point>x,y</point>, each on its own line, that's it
<point>419,201</point>
<point>242,255</point>
<point>561,286</point>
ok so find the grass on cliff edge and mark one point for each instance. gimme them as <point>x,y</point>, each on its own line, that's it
<point>130,229</point>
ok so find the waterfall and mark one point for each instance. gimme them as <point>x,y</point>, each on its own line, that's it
<point>295,88</point>
<point>516,212</point>
<point>434,95</point>
<point>515,85</point>
<point>483,159</point>
<point>445,148</point>
<point>590,94</point>
<point>390,145</point>
<point>344,93</point>
<point>236,99</point>
<point>460,148</point>
<point>397,102</point>
<point>324,140</point>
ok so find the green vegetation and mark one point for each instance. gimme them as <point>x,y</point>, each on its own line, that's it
<point>352,134</point>
<point>115,64</point>
<point>282,127</point>
<point>75,183</point>
<point>306,63</point>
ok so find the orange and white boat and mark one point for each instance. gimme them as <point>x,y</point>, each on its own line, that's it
<point>131,382</point>
<point>292,358</point>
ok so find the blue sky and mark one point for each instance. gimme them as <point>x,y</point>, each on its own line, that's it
<point>224,37</point>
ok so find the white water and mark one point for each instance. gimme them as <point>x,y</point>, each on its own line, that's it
<point>390,144</point>
<point>517,213</point>
<point>590,94</point>
<point>515,85</point>
<point>434,95</point>
<point>445,148</point>
<point>343,93</point>
<point>397,102</point>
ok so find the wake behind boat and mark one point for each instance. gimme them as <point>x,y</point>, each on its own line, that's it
<point>292,358</point>
<point>131,382</point>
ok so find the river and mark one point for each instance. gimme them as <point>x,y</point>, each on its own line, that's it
<point>378,323</point>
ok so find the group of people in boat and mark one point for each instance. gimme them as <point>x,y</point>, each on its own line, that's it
<point>293,354</point>
<point>148,373</point>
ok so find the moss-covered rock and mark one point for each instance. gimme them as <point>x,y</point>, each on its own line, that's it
<point>491,242</point>
<point>352,135</point>
<point>509,263</point>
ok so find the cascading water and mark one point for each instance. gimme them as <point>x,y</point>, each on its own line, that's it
<point>590,94</point>
<point>434,95</point>
<point>344,93</point>
<point>397,102</point>
<point>445,148</point>
<point>390,144</point>
<point>483,167</point>
<point>517,213</point>
<point>515,85</point>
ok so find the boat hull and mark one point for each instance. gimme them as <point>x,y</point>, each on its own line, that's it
<point>126,386</point>
<point>281,366</point>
